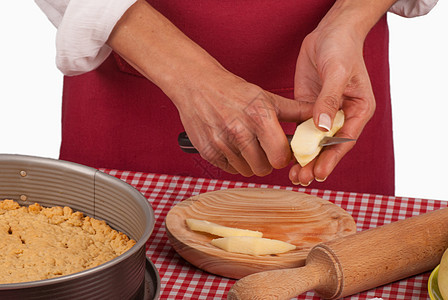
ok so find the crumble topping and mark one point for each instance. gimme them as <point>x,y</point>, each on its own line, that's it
<point>40,243</point>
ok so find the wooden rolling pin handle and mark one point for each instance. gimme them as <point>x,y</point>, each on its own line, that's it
<point>321,272</point>
<point>277,284</point>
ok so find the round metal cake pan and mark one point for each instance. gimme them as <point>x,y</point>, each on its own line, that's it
<point>51,182</point>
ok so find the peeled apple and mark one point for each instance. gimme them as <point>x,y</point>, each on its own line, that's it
<point>442,280</point>
<point>252,245</point>
<point>220,230</point>
<point>306,139</point>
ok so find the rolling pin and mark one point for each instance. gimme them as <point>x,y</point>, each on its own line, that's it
<point>357,262</point>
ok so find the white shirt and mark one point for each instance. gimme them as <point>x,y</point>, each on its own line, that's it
<point>85,25</point>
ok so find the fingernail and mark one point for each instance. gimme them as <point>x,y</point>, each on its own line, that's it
<point>325,121</point>
<point>321,180</point>
<point>306,184</point>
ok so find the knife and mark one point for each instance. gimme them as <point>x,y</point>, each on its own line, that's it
<point>186,145</point>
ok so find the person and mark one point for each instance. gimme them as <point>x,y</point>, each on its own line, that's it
<point>236,76</point>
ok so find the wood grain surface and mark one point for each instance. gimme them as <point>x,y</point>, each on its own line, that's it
<point>293,217</point>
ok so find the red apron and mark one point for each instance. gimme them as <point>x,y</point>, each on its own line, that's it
<point>112,117</point>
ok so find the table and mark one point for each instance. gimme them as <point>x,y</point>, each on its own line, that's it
<point>181,280</point>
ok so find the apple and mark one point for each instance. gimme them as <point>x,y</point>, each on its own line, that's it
<point>307,137</point>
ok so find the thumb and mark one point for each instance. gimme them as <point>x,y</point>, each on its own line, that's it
<point>329,101</point>
<point>290,110</point>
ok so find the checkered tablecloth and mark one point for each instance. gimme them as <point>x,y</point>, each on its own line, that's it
<point>181,280</point>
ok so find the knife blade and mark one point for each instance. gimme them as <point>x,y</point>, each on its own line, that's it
<point>334,140</point>
<point>186,145</point>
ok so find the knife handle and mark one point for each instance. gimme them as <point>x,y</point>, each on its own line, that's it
<point>185,143</point>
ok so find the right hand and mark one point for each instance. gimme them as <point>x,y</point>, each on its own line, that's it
<point>235,125</point>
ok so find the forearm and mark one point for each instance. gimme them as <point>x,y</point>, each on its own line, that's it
<point>357,15</point>
<point>157,49</point>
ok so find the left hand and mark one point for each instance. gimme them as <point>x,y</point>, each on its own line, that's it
<point>331,73</point>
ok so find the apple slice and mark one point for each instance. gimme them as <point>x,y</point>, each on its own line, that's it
<point>219,230</point>
<point>252,245</point>
<point>306,139</point>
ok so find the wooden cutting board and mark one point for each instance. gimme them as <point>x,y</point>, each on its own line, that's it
<point>293,217</point>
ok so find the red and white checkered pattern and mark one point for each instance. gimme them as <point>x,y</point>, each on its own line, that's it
<point>180,280</point>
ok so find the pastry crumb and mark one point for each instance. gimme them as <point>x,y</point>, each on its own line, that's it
<point>41,243</point>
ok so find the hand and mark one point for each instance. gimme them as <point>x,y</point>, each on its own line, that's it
<point>235,124</point>
<point>331,73</point>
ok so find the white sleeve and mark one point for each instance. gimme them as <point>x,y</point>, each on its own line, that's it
<point>412,8</point>
<point>83,29</point>
<point>54,9</point>
<point>85,25</point>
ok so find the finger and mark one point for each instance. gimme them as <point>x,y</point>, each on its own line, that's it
<point>276,146</point>
<point>271,135</point>
<point>224,165</point>
<point>306,175</point>
<point>334,81</point>
<point>294,174</point>
<point>216,158</point>
<point>242,151</point>
<point>262,123</point>
<point>302,175</point>
<point>354,122</point>
<point>235,160</point>
<point>246,156</point>
<point>289,110</point>
<point>358,112</point>
<point>330,157</point>
<point>210,152</point>
<point>256,158</point>
<point>231,170</point>
<point>273,142</point>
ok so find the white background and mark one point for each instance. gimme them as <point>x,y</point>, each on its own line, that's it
<point>31,87</point>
